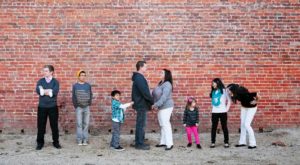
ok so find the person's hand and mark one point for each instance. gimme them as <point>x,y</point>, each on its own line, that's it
<point>253,102</point>
<point>197,124</point>
<point>131,103</point>
<point>46,92</point>
<point>153,107</point>
<point>184,125</point>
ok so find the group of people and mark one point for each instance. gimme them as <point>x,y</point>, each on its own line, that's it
<point>143,100</point>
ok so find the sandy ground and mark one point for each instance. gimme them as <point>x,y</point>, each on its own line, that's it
<point>20,149</point>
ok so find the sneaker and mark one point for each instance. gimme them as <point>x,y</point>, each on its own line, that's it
<point>79,143</point>
<point>84,143</point>
<point>189,144</point>
<point>199,146</point>
<point>39,146</point>
<point>240,145</point>
<point>57,145</point>
<point>119,148</point>
<point>251,147</point>
<point>212,145</point>
<point>226,145</point>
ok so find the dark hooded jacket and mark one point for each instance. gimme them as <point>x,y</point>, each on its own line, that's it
<point>140,93</point>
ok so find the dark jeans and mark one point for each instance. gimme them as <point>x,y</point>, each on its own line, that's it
<point>115,139</point>
<point>43,113</point>
<point>215,119</point>
<point>140,127</point>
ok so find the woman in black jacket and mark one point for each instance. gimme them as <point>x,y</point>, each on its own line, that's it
<point>248,101</point>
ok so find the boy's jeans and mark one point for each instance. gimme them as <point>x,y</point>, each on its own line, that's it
<point>82,121</point>
<point>115,139</point>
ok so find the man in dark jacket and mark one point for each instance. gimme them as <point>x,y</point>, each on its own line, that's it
<point>142,103</point>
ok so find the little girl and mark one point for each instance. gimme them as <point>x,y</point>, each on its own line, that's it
<point>191,121</point>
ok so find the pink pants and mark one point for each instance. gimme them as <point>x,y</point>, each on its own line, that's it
<point>192,129</point>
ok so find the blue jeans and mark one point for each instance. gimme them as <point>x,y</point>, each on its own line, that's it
<point>140,127</point>
<point>115,139</point>
<point>82,122</point>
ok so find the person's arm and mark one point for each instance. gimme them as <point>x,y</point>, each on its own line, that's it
<point>125,106</point>
<point>197,116</point>
<point>228,101</point>
<point>91,96</point>
<point>184,117</point>
<point>143,87</point>
<point>55,90</point>
<point>37,88</point>
<point>255,97</point>
<point>167,89</point>
<point>74,100</point>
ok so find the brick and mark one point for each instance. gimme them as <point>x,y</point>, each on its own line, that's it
<point>248,42</point>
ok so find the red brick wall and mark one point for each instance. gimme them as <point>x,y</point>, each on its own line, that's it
<point>252,43</point>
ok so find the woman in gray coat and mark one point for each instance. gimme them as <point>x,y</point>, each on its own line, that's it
<point>163,101</point>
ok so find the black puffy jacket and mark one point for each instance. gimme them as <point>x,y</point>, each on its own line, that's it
<point>190,118</point>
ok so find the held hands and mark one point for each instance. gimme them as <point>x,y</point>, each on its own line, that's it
<point>131,103</point>
<point>197,124</point>
<point>184,125</point>
<point>153,107</point>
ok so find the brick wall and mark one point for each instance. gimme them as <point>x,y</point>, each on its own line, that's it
<point>253,43</point>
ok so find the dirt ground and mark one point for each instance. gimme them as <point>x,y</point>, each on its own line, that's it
<point>20,149</point>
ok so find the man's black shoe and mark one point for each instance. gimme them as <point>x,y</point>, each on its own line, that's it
<point>143,147</point>
<point>57,145</point>
<point>39,146</point>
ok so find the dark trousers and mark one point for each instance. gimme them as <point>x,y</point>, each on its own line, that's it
<point>214,120</point>
<point>43,114</point>
<point>140,127</point>
<point>115,139</point>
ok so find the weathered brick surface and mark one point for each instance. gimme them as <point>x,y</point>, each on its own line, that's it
<point>253,43</point>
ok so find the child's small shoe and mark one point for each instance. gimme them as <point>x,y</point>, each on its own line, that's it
<point>189,144</point>
<point>199,146</point>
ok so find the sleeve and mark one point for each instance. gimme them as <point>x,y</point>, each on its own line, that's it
<point>91,96</point>
<point>197,116</point>
<point>55,89</point>
<point>37,89</point>
<point>74,97</point>
<point>124,106</point>
<point>165,93</point>
<point>116,104</point>
<point>143,87</point>
<point>254,94</point>
<point>184,117</point>
<point>228,99</point>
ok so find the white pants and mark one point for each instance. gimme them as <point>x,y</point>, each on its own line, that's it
<point>166,136</point>
<point>247,115</point>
